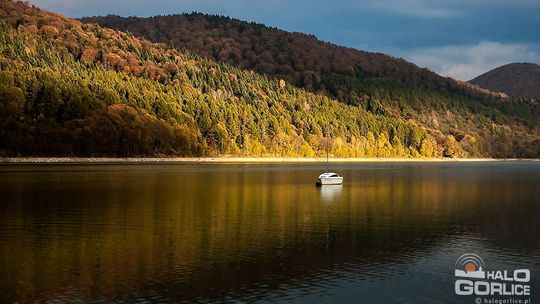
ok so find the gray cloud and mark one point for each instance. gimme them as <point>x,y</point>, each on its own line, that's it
<point>465,62</point>
<point>415,8</point>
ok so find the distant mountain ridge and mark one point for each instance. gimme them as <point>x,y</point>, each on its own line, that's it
<point>514,79</point>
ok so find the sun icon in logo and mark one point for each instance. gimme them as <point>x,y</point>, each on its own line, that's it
<point>470,267</point>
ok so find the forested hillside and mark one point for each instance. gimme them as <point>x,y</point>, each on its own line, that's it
<point>68,88</point>
<point>515,79</point>
<point>295,57</point>
<point>376,82</point>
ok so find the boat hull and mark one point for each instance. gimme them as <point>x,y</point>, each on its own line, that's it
<point>330,181</point>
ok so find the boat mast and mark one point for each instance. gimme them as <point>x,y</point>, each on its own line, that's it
<point>327,167</point>
<point>327,151</point>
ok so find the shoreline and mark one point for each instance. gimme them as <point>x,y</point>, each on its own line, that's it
<point>180,160</point>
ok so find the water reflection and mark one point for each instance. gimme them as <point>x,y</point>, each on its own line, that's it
<point>252,233</point>
<point>329,193</point>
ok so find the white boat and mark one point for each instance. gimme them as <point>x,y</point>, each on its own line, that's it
<point>329,178</point>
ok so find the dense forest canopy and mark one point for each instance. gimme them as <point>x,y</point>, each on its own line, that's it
<point>68,88</point>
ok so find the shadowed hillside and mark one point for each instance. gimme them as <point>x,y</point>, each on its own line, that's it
<point>515,79</point>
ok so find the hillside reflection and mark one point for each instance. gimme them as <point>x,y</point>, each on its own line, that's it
<point>188,233</point>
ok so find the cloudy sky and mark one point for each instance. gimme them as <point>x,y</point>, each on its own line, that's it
<point>457,38</point>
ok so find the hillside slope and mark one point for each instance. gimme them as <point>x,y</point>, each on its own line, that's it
<point>295,57</point>
<point>377,83</point>
<point>68,88</point>
<point>73,89</point>
<point>515,79</point>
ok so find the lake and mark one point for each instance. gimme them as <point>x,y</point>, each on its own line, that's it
<point>173,233</point>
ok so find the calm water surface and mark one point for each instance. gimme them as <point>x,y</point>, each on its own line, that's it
<point>261,233</point>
